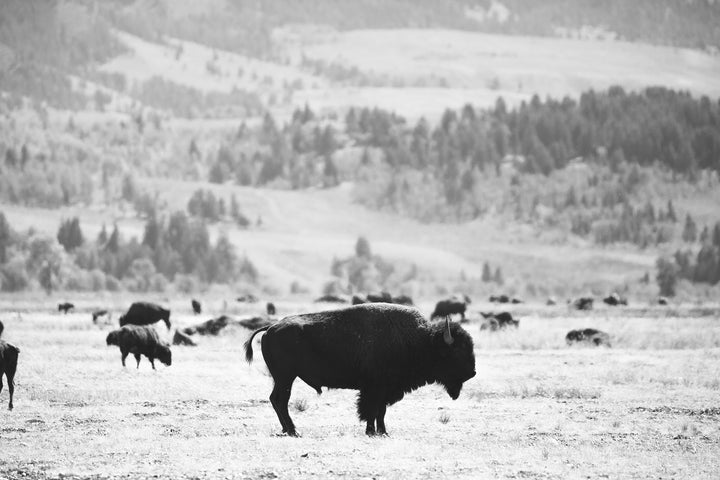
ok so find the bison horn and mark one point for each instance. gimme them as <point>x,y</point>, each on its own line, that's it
<point>447,336</point>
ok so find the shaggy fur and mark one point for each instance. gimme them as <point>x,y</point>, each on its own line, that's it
<point>8,366</point>
<point>590,336</point>
<point>140,340</point>
<point>382,350</point>
<point>145,313</point>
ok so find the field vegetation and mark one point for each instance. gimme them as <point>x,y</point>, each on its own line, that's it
<point>536,409</point>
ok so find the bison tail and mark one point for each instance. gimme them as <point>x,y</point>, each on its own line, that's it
<point>248,344</point>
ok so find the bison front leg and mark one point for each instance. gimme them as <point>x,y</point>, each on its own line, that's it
<point>137,359</point>
<point>11,389</point>
<point>123,356</point>
<point>368,409</point>
<point>381,419</point>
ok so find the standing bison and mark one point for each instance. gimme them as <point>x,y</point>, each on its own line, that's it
<point>8,365</point>
<point>145,313</point>
<point>382,350</point>
<point>450,306</point>
<point>140,340</point>
<point>65,307</point>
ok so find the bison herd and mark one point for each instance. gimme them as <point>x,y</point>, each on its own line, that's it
<point>380,345</point>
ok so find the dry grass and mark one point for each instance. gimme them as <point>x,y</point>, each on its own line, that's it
<point>536,409</point>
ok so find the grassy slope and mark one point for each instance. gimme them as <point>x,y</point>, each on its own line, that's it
<point>536,409</point>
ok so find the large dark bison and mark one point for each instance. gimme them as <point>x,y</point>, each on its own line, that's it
<point>583,303</point>
<point>589,336</point>
<point>450,306</point>
<point>196,306</point>
<point>65,307</point>
<point>331,299</point>
<point>614,300</point>
<point>382,350</point>
<point>8,366</point>
<point>140,340</point>
<point>496,321</point>
<point>145,313</point>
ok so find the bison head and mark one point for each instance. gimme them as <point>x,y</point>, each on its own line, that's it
<point>455,362</point>
<point>162,352</point>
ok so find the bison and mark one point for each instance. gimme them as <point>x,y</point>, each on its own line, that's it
<point>450,306</point>
<point>65,307</point>
<point>662,301</point>
<point>499,299</point>
<point>254,322</point>
<point>145,313</point>
<point>270,308</point>
<point>8,366</point>
<point>501,320</point>
<point>196,306</point>
<point>358,300</point>
<point>583,303</point>
<point>181,338</point>
<point>330,299</point>
<point>140,340</point>
<point>209,327</point>
<point>97,314</point>
<point>382,350</point>
<point>249,298</point>
<point>614,300</point>
<point>379,297</point>
<point>588,335</point>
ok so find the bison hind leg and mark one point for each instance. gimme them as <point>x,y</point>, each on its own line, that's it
<point>279,398</point>
<point>369,405</point>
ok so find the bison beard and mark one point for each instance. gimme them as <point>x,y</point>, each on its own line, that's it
<point>382,350</point>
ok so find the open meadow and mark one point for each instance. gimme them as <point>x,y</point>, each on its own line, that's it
<point>645,408</point>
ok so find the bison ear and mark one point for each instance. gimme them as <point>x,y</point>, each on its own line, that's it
<point>447,335</point>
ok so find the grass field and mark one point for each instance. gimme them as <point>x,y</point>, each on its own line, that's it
<point>647,408</point>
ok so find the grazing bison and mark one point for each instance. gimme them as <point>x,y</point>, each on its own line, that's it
<point>551,301</point>
<point>270,308</point>
<point>614,300</point>
<point>209,327</point>
<point>97,314</point>
<point>403,300</point>
<point>502,319</point>
<point>65,307</point>
<point>249,298</point>
<point>254,322</point>
<point>140,340</point>
<point>515,300</point>
<point>382,297</point>
<point>358,300</point>
<point>330,299</point>
<point>450,306</point>
<point>583,303</point>
<point>662,301</point>
<point>382,350</point>
<point>8,366</point>
<point>181,338</point>
<point>145,313</point>
<point>590,336</point>
<point>196,306</point>
<point>499,299</point>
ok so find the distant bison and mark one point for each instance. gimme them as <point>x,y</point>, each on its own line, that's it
<point>331,299</point>
<point>248,298</point>
<point>145,313</point>
<point>451,306</point>
<point>209,327</point>
<point>499,299</point>
<point>379,297</point>
<point>382,350</point>
<point>65,307</point>
<point>181,338</point>
<point>662,301</point>
<point>254,322</point>
<point>583,303</point>
<point>551,301</point>
<point>403,300</point>
<point>196,306</point>
<point>614,300</point>
<point>140,340</point>
<point>501,320</point>
<point>358,300</point>
<point>97,314</point>
<point>8,366</point>
<point>270,308</point>
<point>590,336</point>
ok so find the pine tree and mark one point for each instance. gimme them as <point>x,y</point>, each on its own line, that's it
<point>689,234</point>
<point>486,273</point>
